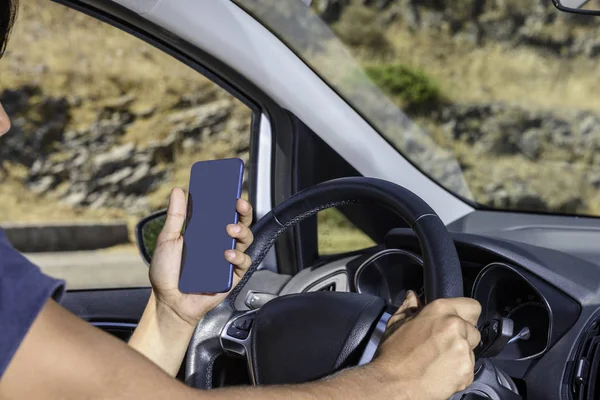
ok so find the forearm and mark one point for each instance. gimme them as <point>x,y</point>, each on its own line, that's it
<point>65,358</point>
<point>162,336</point>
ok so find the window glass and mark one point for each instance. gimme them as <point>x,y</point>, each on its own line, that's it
<point>495,100</point>
<point>104,125</point>
<point>337,234</point>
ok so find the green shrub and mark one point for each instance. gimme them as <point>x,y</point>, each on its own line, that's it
<point>412,87</point>
<point>358,27</point>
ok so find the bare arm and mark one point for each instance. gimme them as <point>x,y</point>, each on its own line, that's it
<point>162,336</point>
<point>62,357</point>
<point>168,322</point>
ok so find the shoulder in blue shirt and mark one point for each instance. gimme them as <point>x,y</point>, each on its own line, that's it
<point>24,290</point>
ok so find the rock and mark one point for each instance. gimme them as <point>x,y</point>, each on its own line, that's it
<point>146,113</point>
<point>75,199</point>
<point>108,163</point>
<point>588,46</point>
<point>80,159</point>
<point>192,122</point>
<point>136,205</point>
<point>470,34</point>
<point>530,143</point>
<point>42,185</point>
<point>188,144</point>
<point>140,181</point>
<point>165,150</point>
<point>116,178</point>
<point>120,103</point>
<point>98,200</point>
<point>36,169</point>
<point>106,130</point>
<point>59,171</point>
<point>48,134</point>
<point>536,33</point>
<point>496,26</point>
<point>193,99</point>
<point>143,157</point>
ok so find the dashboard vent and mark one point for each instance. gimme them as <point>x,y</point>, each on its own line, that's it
<point>586,377</point>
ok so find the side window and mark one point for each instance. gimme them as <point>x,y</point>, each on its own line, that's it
<point>337,234</point>
<point>317,162</point>
<point>104,125</point>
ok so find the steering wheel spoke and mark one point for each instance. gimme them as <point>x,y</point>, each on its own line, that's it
<point>236,338</point>
<point>375,339</point>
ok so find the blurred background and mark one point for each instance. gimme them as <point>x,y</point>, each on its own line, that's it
<point>104,125</point>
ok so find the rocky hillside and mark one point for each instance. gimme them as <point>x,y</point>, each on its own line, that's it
<point>103,124</point>
<point>502,94</point>
<point>506,90</point>
<point>95,166</point>
<point>533,23</point>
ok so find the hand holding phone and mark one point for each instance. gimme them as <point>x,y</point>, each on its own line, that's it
<point>214,189</point>
<point>165,269</point>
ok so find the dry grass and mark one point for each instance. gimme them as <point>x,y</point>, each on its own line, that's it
<point>499,72</point>
<point>18,204</point>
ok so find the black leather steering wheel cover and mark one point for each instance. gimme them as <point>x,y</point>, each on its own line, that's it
<point>442,270</point>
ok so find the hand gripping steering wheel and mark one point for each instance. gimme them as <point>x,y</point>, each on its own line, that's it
<point>303,337</point>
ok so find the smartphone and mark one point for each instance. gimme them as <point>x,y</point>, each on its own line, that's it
<point>215,187</point>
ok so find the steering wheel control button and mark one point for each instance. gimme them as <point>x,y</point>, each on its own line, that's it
<point>243,323</point>
<point>235,336</point>
<point>255,300</point>
<point>237,333</point>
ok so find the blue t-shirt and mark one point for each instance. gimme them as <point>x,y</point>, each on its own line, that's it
<point>24,290</point>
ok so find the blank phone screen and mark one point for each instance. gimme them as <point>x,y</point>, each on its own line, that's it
<point>214,189</point>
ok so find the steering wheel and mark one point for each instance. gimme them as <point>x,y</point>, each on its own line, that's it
<point>303,337</point>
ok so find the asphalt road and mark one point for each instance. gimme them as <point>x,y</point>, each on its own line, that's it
<point>94,269</point>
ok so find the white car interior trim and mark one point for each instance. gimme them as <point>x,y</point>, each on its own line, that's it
<point>263,183</point>
<point>222,29</point>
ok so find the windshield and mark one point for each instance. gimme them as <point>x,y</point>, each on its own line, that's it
<point>495,100</point>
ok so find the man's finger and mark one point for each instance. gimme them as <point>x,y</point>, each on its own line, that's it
<point>408,308</point>
<point>470,311</point>
<point>175,216</point>
<point>473,336</point>
<point>466,308</point>
<point>244,209</point>
<point>241,261</point>
<point>242,234</point>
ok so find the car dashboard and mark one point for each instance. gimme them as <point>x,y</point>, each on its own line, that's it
<point>552,297</point>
